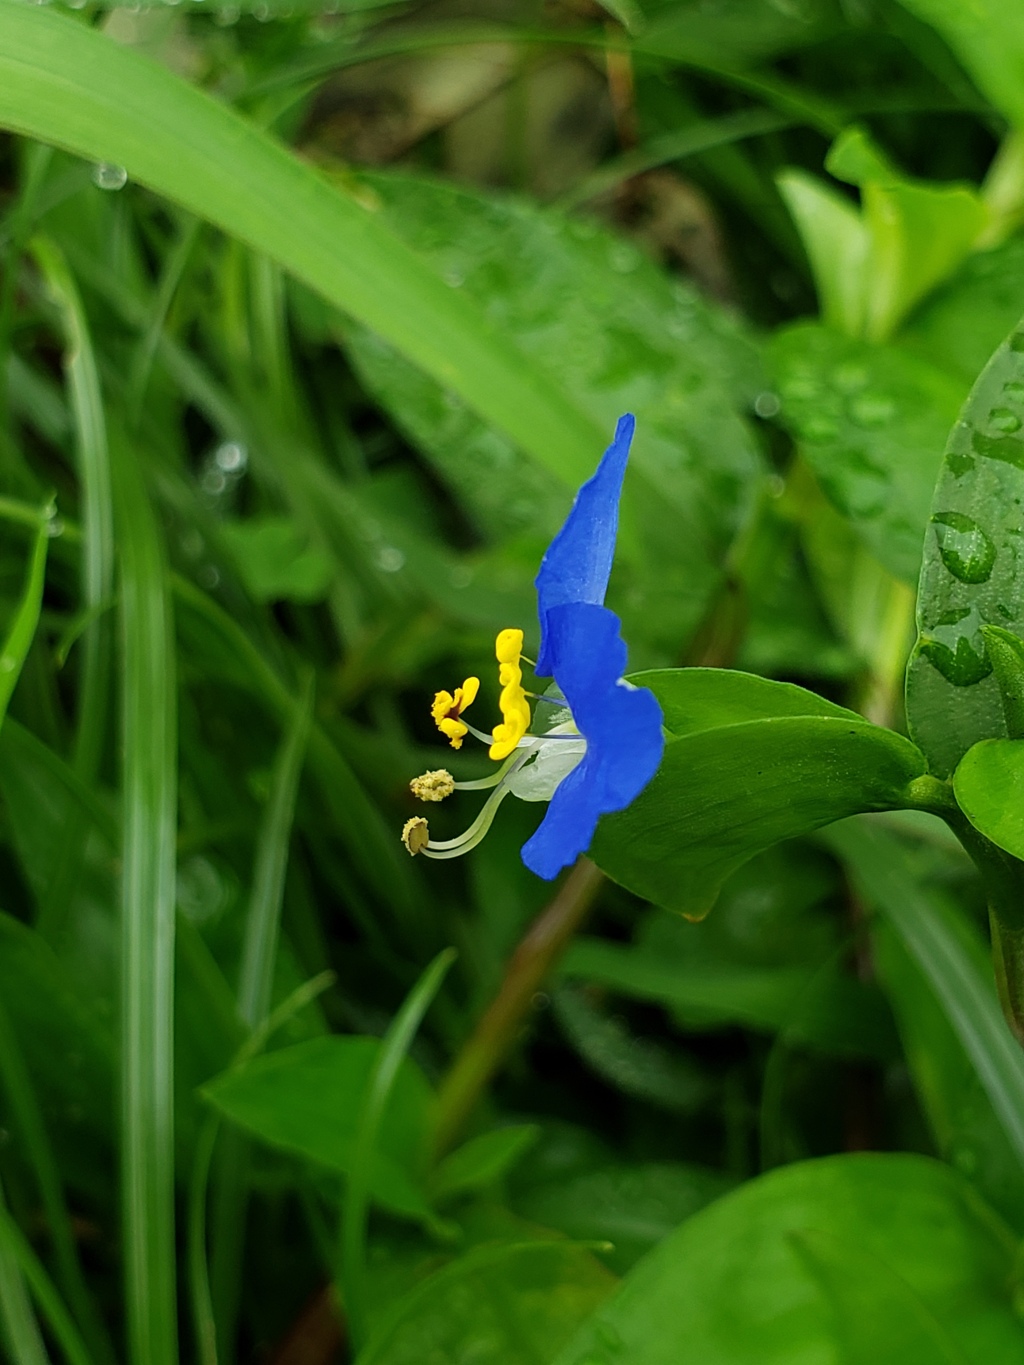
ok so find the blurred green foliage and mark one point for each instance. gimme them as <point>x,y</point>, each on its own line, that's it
<point>312,317</point>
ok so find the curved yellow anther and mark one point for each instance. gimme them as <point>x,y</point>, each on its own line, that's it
<point>447,709</point>
<point>515,709</point>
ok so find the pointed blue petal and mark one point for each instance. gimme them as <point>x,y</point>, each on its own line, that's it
<point>578,561</point>
<point>621,724</point>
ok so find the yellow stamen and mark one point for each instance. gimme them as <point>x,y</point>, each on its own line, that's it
<point>433,786</point>
<point>515,709</point>
<point>415,834</point>
<point>447,709</point>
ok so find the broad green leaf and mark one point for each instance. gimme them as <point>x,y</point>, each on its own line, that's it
<point>68,1053</point>
<point>619,335</point>
<point>972,572</point>
<point>636,1065</point>
<point>988,37</point>
<point>989,786</point>
<point>724,793</point>
<point>871,422</point>
<point>482,1160</point>
<point>274,562</point>
<point>918,232</point>
<point>515,1304</point>
<point>826,1010</point>
<point>65,83</point>
<point>634,1206</point>
<point>837,244</point>
<point>962,323</point>
<point>962,985</point>
<point>306,1099</point>
<point>963,1123</point>
<point>730,1288</point>
<point>877,1316</point>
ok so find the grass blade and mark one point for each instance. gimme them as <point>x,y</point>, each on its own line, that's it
<point>147,942</point>
<point>97,505</point>
<point>25,1112</point>
<point>255,983</point>
<point>26,617</point>
<point>394,1046</point>
<point>65,83</point>
<point>263,922</point>
<point>15,1252</point>
<point>969,1000</point>
<point>20,1329</point>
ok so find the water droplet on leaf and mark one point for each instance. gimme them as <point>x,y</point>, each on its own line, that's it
<point>1002,419</point>
<point>106,175</point>
<point>966,551</point>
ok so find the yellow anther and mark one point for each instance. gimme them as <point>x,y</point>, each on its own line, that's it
<point>515,709</point>
<point>415,834</point>
<point>433,786</point>
<point>447,709</point>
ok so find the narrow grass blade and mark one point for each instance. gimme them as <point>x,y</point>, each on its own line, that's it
<point>16,1252</point>
<point>24,1110</point>
<point>97,580</point>
<point>879,868</point>
<point>147,941</point>
<point>395,1045</point>
<point>65,83</point>
<point>20,1330</point>
<point>255,983</point>
<point>703,136</point>
<point>26,617</point>
<point>97,566</point>
<point>263,922</point>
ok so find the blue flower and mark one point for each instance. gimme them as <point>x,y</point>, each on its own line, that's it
<point>604,741</point>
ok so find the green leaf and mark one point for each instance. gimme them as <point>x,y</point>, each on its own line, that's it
<point>306,1099</point>
<point>483,1160</point>
<point>989,786</point>
<point>837,245</point>
<point>149,862</point>
<point>634,1064</point>
<point>22,628</point>
<point>878,1316</point>
<point>274,562</point>
<point>620,335</point>
<point>728,1287</point>
<point>988,37</point>
<point>871,422</point>
<point>633,1206</point>
<point>961,324</point>
<point>65,83</point>
<point>517,1304</point>
<point>973,573</point>
<point>963,1123</point>
<point>918,231</point>
<point>964,988</point>
<point>727,790</point>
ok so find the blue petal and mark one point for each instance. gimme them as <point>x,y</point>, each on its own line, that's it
<point>621,724</point>
<point>577,563</point>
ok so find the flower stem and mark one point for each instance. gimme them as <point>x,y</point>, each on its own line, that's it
<point>497,1031</point>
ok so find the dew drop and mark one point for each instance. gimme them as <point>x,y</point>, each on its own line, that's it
<point>1014,391</point>
<point>872,409</point>
<point>1003,420</point>
<point>820,428</point>
<point>8,663</point>
<point>107,175</point>
<point>390,559</point>
<point>623,259</point>
<point>767,404</point>
<point>963,667</point>
<point>849,378</point>
<point>966,551</point>
<point>231,457</point>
